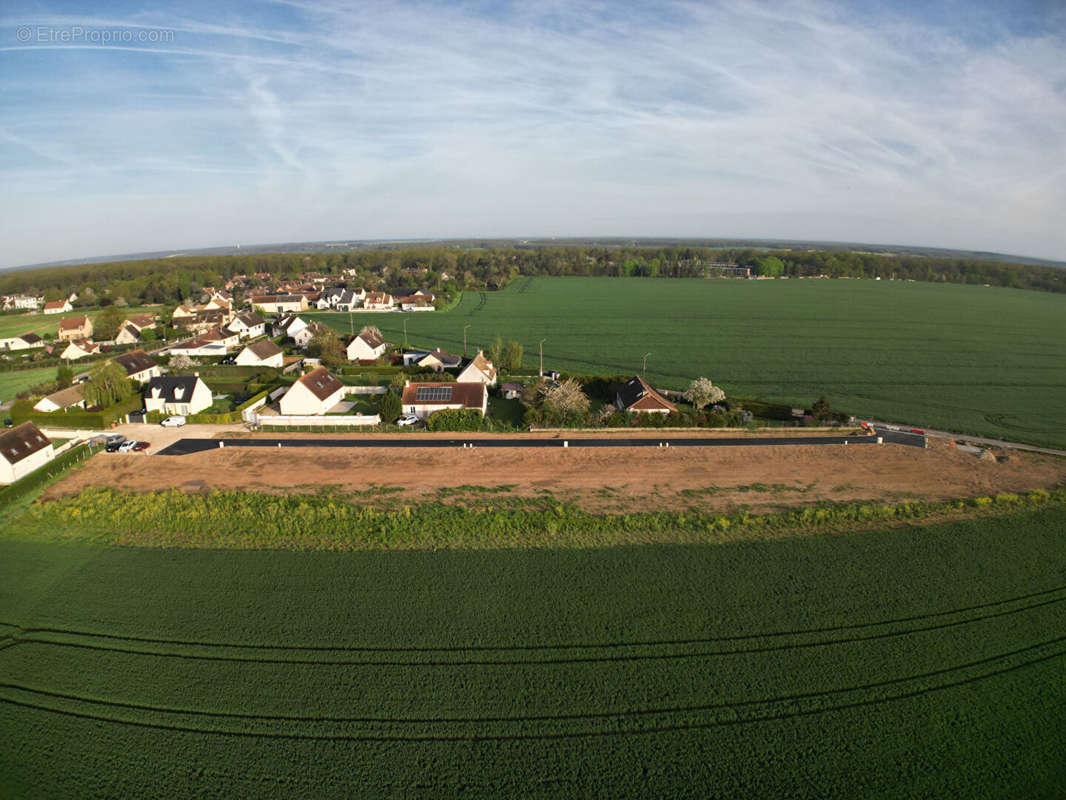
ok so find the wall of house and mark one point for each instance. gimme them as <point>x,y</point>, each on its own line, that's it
<point>9,473</point>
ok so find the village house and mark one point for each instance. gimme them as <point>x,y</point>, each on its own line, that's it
<point>71,328</point>
<point>415,302</point>
<point>127,334</point>
<point>378,301</point>
<point>199,321</point>
<point>140,321</point>
<point>222,336</point>
<point>479,369</point>
<point>636,396</point>
<point>288,326</point>
<point>303,337</point>
<point>22,450</point>
<point>247,325</point>
<point>23,342</point>
<point>315,393</point>
<point>20,301</point>
<point>279,303</point>
<point>438,361</point>
<point>139,366</point>
<point>80,348</point>
<point>422,399</point>
<point>177,395</point>
<point>71,397</point>
<point>366,346</point>
<point>261,354</point>
<point>58,307</point>
<point>198,347</point>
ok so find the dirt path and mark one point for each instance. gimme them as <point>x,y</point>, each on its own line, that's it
<point>763,478</point>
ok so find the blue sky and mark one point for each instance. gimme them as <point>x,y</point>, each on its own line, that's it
<point>931,124</point>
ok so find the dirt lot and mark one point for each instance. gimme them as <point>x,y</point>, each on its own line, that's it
<point>762,478</point>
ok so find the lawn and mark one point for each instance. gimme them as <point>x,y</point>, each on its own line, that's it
<point>979,360</point>
<point>914,662</point>
<point>11,383</point>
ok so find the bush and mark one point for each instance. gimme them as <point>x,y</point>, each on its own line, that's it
<point>390,408</point>
<point>456,419</point>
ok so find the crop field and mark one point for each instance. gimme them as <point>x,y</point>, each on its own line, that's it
<point>914,662</point>
<point>11,383</point>
<point>41,324</point>
<point>978,360</point>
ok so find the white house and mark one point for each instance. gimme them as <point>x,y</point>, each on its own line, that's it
<point>22,450</point>
<point>378,301</point>
<point>58,307</point>
<point>288,326</point>
<point>279,303</point>
<point>315,393</point>
<point>438,361</point>
<point>20,301</point>
<point>422,399</point>
<point>350,299</point>
<point>23,342</point>
<point>80,349</point>
<point>127,334</point>
<point>261,354</point>
<point>199,348</point>
<point>247,325</point>
<point>367,346</point>
<point>139,366</point>
<point>479,369</point>
<point>177,395</point>
<point>303,337</point>
<point>65,398</point>
<point>415,302</point>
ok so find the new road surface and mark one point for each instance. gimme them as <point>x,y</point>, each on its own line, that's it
<point>186,446</point>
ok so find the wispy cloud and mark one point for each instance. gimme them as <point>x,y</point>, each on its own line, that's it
<point>295,120</point>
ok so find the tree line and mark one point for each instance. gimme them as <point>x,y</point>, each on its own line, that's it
<point>449,270</point>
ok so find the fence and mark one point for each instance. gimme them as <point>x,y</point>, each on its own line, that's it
<point>339,420</point>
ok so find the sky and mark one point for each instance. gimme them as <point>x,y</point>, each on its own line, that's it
<point>135,127</point>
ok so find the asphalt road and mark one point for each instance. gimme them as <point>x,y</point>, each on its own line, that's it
<point>186,446</point>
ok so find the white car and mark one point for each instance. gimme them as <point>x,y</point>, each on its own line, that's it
<point>127,446</point>
<point>410,419</point>
<point>173,422</point>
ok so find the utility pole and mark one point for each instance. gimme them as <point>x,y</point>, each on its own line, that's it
<point>351,322</point>
<point>644,364</point>
<point>405,332</point>
<point>464,339</point>
<point>542,341</point>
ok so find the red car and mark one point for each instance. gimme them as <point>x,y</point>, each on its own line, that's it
<point>140,446</point>
<point>917,430</point>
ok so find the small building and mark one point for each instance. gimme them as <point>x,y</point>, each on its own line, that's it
<point>279,303</point>
<point>80,348</point>
<point>288,326</point>
<point>202,320</point>
<point>438,361</point>
<point>71,397</point>
<point>511,391</point>
<point>58,307</point>
<point>303,337</point>
<point>141,321</point>
<point>479,369</point>
<point>636,396</point>
<point>378,301</point>
<point>261,354</point>
<point>415,302</point>
<point>422,399</point>
<point>127,334</point>
<point>247,325</point>
<point>366,346</point>
<point>71,328</point>
<point>24,342</point>
<point>177,395</point>
<point>315,393</point>
<point>222,336</point>
<point>199,347</point>
<point>139,366</point>
<point>22,450</point>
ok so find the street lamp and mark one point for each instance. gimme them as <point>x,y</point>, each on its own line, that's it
<point>542,341</point>
<point>644,364</point>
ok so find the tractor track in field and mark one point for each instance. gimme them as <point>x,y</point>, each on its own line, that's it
<point>32,636</point>
<point>772,708</point>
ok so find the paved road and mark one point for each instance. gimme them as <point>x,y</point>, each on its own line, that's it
<point>974,440</point>
<point>187,446</point>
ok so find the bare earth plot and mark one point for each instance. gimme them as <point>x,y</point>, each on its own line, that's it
<point>600,479</point>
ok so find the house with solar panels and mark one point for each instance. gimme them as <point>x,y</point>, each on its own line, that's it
<point>422,399</point>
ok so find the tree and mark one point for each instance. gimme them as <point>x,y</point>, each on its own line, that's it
<point>371,330</point>
<point>105,326</point>
<point>390,408</point>
<point>511,358</point>
<point>108,385</point>
<point>565,401</point>
<point>496,352</point>
<point>701,392</point>
<point>180,361</point>
<point>64,376</point>
<point>770,266</point>
<point>326,346</point>
<point>820,410</point>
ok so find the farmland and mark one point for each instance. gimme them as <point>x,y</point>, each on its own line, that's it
<point>913,662</point>
<point>979,360</point>
<point>43,324</point>
<point>15,381</point>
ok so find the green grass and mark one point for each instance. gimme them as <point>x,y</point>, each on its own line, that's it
<point>918,662</point>
<point>11,383</point>
<point>41,324</point>
<point>979,360</point>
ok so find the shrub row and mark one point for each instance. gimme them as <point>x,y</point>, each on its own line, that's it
<point>96,420</point>
<point>53,469</point>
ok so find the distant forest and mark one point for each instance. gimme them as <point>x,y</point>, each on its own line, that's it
<point>449,270</point>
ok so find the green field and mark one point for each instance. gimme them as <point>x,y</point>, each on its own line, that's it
<point>11,383</point>
<point>978,360</point>
<point>41,324</point>
<point>917,662</point>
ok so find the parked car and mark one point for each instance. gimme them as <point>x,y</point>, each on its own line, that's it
<point>410,419</point>
<point>8,422</point>
<point>114,443</point>
<point>127,446</point>
<point>173,422</point>
<point>139,446</point>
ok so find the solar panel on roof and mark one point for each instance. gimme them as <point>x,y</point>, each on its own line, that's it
<point>433,394</point>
